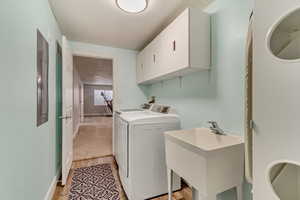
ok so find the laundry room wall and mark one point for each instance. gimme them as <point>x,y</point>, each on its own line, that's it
<point>217,94</point>
<point>29,154</point>
<point>127,94</point>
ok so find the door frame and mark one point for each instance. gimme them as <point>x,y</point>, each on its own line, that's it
<point>90,54</point>
<point>67,109</point>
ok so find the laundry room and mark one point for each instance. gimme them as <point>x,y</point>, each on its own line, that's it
<point>149,99</point>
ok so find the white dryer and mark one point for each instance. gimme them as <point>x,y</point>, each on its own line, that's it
<point>140,152</point>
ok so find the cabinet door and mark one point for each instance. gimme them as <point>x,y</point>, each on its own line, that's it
<point>149,60</point>
<point>166,52</point>
<point>177,43</point>
<point>153,59</point>
<point>156,49</point>
<point>140,67</point>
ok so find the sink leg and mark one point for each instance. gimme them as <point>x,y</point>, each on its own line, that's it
<point>170,183</point>
<point>239,191</point>
<point>197,196</point>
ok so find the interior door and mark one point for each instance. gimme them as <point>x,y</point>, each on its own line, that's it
<point>67,110</point>
<point>276,100</point>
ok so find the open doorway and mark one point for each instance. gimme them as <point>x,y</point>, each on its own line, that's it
<point>93,107</point>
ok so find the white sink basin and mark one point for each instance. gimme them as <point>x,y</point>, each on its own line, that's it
<point>203,139</point>
<point>210,163</point>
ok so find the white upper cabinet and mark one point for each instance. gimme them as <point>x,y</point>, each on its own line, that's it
<point>183,47</point>
<point>140,67</point>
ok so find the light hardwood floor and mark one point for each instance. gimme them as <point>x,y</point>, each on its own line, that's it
<point>98,120</point>
<point>94,138</point>
<point>62,193</point>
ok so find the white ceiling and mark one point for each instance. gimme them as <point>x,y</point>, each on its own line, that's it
<point>94,71</point>
<point>102,22</point>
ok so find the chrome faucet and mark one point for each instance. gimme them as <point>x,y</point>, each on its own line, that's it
<point>214,127</point>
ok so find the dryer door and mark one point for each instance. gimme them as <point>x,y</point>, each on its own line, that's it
<point>117,138</point>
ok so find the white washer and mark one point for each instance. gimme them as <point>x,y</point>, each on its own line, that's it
<point>140,153</point>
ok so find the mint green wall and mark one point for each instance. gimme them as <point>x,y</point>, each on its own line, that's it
<point>217,94</point>
<point>27,153</point>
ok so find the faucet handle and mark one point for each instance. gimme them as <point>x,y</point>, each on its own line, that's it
<point>215,128</point>
<point>213,124</point>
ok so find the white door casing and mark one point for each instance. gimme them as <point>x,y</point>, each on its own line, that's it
<point>67,107</point>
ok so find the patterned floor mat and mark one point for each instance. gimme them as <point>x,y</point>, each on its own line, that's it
<point>94,183</point>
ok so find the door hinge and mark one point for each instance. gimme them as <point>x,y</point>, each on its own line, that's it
<point>251,124</point>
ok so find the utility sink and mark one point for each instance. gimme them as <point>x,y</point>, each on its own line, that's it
<point>202,139</point>
<point>209,162</point>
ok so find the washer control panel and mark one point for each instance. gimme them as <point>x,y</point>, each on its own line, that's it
<point>160,109</point>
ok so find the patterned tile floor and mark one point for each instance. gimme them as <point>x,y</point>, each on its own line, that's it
<point>62,193</point>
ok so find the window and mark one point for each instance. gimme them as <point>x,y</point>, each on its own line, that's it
<point>101,95</point>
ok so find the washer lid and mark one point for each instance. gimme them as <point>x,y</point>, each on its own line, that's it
<point>149,117</point>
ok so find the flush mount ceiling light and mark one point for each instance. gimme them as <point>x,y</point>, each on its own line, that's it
<point>132,6</point>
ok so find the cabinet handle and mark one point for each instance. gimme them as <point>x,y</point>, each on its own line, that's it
<point>174,45</point>
<point>154,58</point>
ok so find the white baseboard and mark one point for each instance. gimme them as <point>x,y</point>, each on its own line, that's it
<point>51,190</point>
